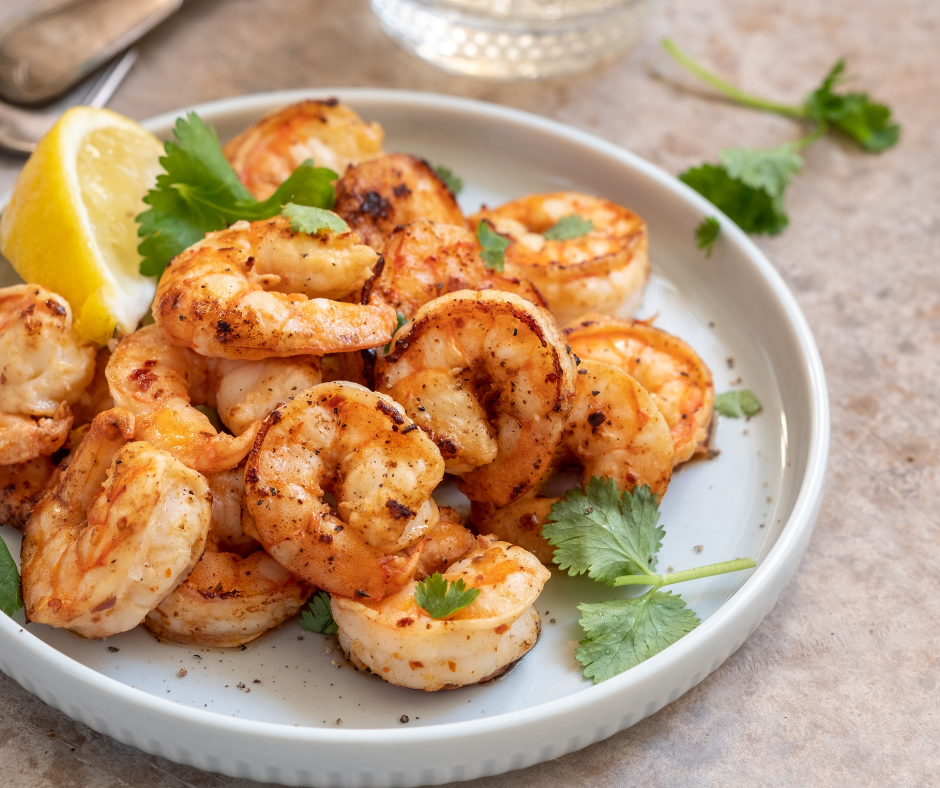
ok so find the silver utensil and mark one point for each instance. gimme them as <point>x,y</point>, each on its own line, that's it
<point>21,129</point>
<point>46,51</point>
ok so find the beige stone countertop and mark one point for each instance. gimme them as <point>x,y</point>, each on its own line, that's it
<point>839,684</point>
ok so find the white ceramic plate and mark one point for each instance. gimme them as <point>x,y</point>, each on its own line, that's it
<point>760,498</point>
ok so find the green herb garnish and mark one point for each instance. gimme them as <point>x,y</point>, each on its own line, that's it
<point>440,598</point>
<point>319,615</point>
<point>568,227</point>
<point>310,220</point>
<point>614,537</point>
<point>706,234</point>
<point>10,599</point>
<point>401,321</point>
<point>451,181</point>
<point>200,192</point>
<point>494,246</point>
<point>735,404</point>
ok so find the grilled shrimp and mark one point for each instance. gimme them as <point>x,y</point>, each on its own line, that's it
<point>44,368</point>
<point>487,376</point>
<point>22,486</point>
<point>258,290</point>
<point>359,446</point>
<point>326,131</point>
<point>604,270</point>
<point>123,526</point>
<point>96,398</point>
<point>378,195</point>
<point>161,384</point>
<point>614,431</point>
<point>399,641</point>
<point>231,529</point>
<point>678,380</point>
<point>425,260</point>
<point>446,542</point>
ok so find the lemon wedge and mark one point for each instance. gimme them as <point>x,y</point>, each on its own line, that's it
<point>70,222</point>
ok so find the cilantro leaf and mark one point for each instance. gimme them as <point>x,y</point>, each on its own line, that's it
<point>770,169</point>
<point>440,598</point>
<point>494,246</point>
<point>623,633</point>
<point>753,210</point>
<point>310,220</point>
<point>854,114</point>
<point>707,233</point>
<point>319,617</point>
<point>568,227</point>
<point>401,321</point>
<point>199,192</point>
<point>735,404</point>
<point>451,181</point>
<point>10,599</point>
<point>604,532</point>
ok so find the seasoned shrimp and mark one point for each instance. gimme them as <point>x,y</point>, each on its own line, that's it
<point>96,398</point>
<point>604,270</point>
<point>487,376</point>
<point>123,526</point>
<point>399,641</point>
<point>228,600</point>
<point>21,487</point>
<point>446,542</point>
<point>614,431</point>
<point>231,529</point>
<point>258,290</point>
<point>425,260</point>
<point>378,195</point>
<point>359,446</point>
<point>679,381</point>
<point>44,368</point>
<point>326,131</point>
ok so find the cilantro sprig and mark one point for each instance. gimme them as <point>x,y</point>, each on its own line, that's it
<point>749,184</point>
<point>451,181</point>
<point>440,598</point>
<point>614,536</point>
<point>319,616</point>
<point>200,192</point>
<point>568,227</point>
<point>706,234</point>
<point>494,246</point>
<point>10,599</point>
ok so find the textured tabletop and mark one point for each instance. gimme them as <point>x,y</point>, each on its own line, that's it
<point>839,684</point>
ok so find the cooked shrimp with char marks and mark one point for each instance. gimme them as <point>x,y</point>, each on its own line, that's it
<point>378,195</point>
<point>22,486</point>
<point>44,368</point>
<point>487,375</point>
<point>360,447</point>
<point>425,260</point>
<point>604,270</point>
<point>259,290</point>
<point>614,431</point>
<point>673,373</point>
<point>330,133</point>
<point>400,642</point>
<point>123,527</point>
<point>161,384</point>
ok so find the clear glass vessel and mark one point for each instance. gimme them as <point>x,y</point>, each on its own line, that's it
<point>514,39</point>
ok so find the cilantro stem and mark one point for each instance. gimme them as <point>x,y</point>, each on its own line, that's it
<point>658,581</point>
<point>730,90</point>
<point>809,139</point>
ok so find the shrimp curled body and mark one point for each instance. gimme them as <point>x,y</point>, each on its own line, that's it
<point>400,642</point>
<point>123,527</point>
<point>343,439</point>
<point>258,290</point>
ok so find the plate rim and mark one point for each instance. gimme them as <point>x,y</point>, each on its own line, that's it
<point>798,527</point>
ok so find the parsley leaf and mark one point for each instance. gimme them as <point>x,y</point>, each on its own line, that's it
<point>440,598</point>
<point>770,169</point>
<point>310,220</point>
<point>568,227</point>
<point>451,181</point>
<point>753,210</point>
<point>494,246</point>
<point>735,404</point>
<point>319,617</point>
<point>10,599</point>
<point>401,321</point>
<point>707,233</point>
<point>604,532</point>
<point>200,192</point>
<point>623,633</point>
<point>854,114</point>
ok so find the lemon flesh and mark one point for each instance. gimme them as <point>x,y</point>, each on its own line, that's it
<point>70,225</point>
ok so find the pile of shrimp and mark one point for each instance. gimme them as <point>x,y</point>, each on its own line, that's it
<point>284,423</point>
